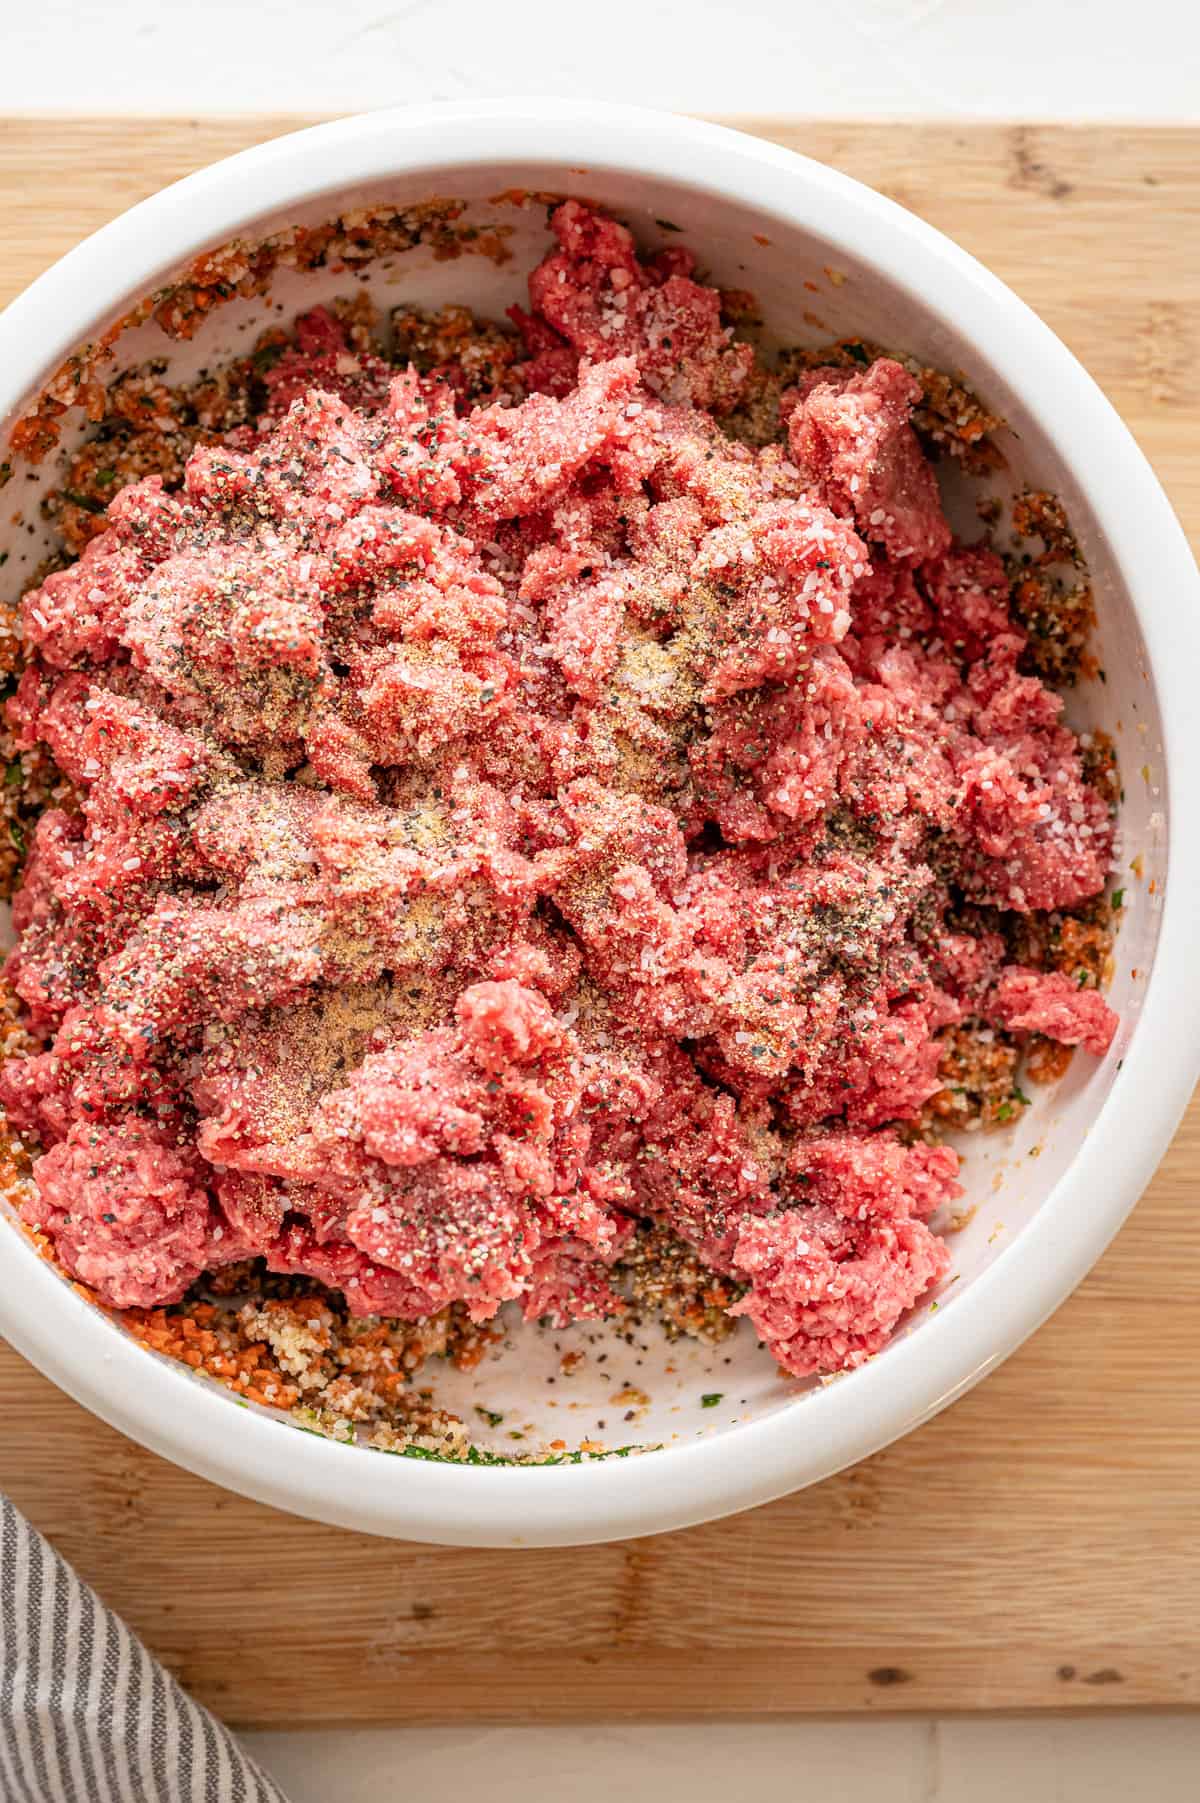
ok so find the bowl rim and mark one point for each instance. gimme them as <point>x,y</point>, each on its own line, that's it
<point>842,1422</point>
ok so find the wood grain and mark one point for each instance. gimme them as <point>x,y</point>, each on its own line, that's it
<point>1037,1546</point>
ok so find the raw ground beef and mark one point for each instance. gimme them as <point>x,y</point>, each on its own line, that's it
<point>507,817</point>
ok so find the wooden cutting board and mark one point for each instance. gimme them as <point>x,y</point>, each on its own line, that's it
<point>1037,1546</point>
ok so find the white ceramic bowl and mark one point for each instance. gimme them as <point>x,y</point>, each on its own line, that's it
<point>764,219</point>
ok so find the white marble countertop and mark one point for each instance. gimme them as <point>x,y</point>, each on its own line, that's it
<point>1105,1758</point>
<point>981,58</point>
<point>927,58</point>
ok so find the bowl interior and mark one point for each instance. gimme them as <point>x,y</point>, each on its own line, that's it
<point>807,293</point>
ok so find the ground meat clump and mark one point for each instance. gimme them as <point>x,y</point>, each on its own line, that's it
<point>515,833</point>
<point>1032,1001</point>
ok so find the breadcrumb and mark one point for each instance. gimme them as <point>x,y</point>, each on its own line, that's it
<point>979,1067</point>
<point>668,1280</point>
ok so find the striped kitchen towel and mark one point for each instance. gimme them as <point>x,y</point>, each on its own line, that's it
<point>86,1715</point>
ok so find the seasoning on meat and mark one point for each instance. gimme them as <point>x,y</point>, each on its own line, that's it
<point>513,823</point>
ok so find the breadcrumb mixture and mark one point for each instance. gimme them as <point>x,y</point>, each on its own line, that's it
<point>560,822</point>
<point>344,1376</point>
